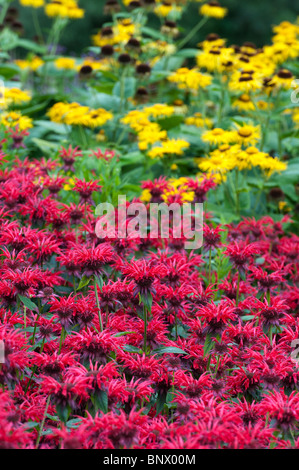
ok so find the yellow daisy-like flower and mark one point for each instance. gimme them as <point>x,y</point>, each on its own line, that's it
<point>97,117</point>
<point>74,114</point>
<point>146,196</point>
<point>190,79</point>
<point>271,165</point>
<point>185,196</point>
<point>166,9</point>
<point>136,119</point>
<point>286,28</point>
<point>263,160</point>
<point>213,9</point>
<point>244,103</point>
<point>284,79</point>
<point>94,64</point>
<point>296,117</point>
<point>216,58</point>
<point>32,3</point>
<point>169,147</point>
<point>218,136</point>
<point>245,81</point>
<point>14,119</point>
<point>159,110</point>
<point>278,52</point>
<point>263,105</point>
<point>69,185</point>
<point>64,9</point>
<point>16,96</point>
<point>159,47</point>
<point>150,134</point>
<point>283,206</point>
<point>216,164</point>
<point>247,135</point>
<point>198,121</point>
<point>66,63</point>
<point>254,155</point>
<point>33,64</point>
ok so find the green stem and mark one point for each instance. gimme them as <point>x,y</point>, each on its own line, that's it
<point>25,320</point>
<point>145,329</point>
<point>61,340</point>
<point>210,264</point>
<point>123,90</point>
<point>3,12</point>
<point>36,24</point>
<point>43,422</point>
<point>238,290</point>
<point>98,303</point>
<point>237,193</point>
<point>217,365</point>
<point>192,33</point>
<point>271,334</point>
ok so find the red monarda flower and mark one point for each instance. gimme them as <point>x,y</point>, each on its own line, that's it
<point>156,188</point>
<point>69,156</point>
<point>211,237</point>
<point>282,408</point>
<point>143,273</point>
<point>85,189</point>
<point>201,188</point>
<point>91,261</point>
<point>240,254</point>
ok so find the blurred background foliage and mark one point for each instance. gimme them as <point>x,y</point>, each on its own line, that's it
<point>249,20</point>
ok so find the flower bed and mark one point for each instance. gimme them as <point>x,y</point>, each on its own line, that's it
<point>137,341</point>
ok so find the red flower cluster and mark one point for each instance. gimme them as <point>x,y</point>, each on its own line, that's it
<point>139,343</point>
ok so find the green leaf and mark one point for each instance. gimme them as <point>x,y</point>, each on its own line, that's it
<point>101,401</point>
<point>45,146</point>
<point>169,350</point>
<point>123,333</point>
<point>152,33</point>
<point>188,53</point>
<point>209,343</point>
<point>63,412</point>
<point>129,88</point>
<point>53,126</point>
<point>28,303</point>
<point>260,260</point>
<point>84,282</point>
<point>170,122</point>
<point>100,282</point>
<point>133,349</point>
<point>161,400</point>
<point>73,423</point>
<point>8,71</point>
<point>31,46</point>
<point>147,300</point>
<point>8,40</point>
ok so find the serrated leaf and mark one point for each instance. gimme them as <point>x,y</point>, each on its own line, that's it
<point>28,303</point>
<point>169,350</point>
<point>84,282</point>
<point>209,343</point>
<point>101,401</point>
<point>63,412</point>
<point>161,400</point>
<point>130,348</point>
